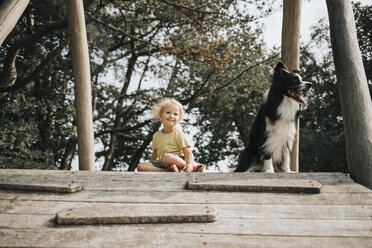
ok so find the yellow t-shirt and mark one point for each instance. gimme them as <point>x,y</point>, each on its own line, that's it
<point>172,142</point>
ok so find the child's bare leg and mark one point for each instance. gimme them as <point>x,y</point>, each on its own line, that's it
<point>146,166</point>
<point>169,158</point>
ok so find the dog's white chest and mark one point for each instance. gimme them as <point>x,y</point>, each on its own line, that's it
<point>280,137</point>
<point>281,134</point>
<point>288,109</point>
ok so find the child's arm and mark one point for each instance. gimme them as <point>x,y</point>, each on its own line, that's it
<point>189,157</point>
<point>154,155</point>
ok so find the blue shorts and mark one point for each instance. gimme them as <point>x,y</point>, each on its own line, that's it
<point>160,164</point>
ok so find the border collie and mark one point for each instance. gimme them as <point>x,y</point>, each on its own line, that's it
<point>274,129</point>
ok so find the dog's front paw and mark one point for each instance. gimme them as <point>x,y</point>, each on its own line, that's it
<point>269,171</point>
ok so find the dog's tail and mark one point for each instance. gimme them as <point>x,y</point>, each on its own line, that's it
<point>245,160</point>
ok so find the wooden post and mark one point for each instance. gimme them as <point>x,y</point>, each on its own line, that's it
<point>291,56</point>
<point>10,12</point>
<point>83,97</point>
<point>352,85</point>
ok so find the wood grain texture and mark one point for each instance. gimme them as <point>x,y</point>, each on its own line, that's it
<point>260,185</point>
<point>170,213</point>
<point>352,84</point>
<point>339,216</point>
<point>44,187</point>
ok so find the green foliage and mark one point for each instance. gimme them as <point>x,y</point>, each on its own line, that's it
<point>322,144</point>
<point>363,18</point>
<point>226,116</point>
<point>322,141</point>
<point>204,53</point>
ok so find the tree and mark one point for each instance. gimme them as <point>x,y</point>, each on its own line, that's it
<point>322,146</point>
<point>30,116</point>
<point>322,122</point>
<point>178,44</point>
<point>363,18</point>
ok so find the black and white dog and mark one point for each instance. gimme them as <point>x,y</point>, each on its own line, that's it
<point>274,129</point>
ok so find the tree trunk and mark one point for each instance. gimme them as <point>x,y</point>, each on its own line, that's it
<point>118,115</point>
<point>352,85</point>
<point>69,153</point>
<point>291,57</point>
<point>45,126</point>
<point>83,97</point>
<point>107,165</point>
<point>10,12</point>
<point>170,89</point>
<point>137,156</point>
<point>241,119</point>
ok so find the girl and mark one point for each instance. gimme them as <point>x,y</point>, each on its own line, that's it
<point>171,149</point>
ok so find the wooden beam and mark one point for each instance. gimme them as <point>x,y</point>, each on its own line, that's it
<point>42,187</point>
<point>352,85</point>
<point>83,97</point>
<point>10,12</point>
<point>291,56</point>
<point>167,213</point>
<point>259,185</point>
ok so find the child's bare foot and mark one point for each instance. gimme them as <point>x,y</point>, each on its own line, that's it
<point>174,168</point>
<point>198,168</point>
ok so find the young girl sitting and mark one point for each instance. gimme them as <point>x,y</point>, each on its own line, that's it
<point>171,149</point>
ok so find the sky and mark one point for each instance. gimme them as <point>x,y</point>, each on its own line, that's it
<point>312,11</point>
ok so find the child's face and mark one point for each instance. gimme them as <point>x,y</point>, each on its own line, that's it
<point>170,115</point>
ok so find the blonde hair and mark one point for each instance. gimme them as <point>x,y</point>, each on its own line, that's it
<point>157,109</point>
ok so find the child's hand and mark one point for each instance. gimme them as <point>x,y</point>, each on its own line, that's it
<point>187,168</point>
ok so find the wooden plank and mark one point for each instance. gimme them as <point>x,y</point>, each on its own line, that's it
<point>23,221</point>
<point>260,185</point>
<point>153,184</point>
<point>45,187</point>
<point>192,197</point>
<point>280,227</point>
<point>167,181</point>
<point>346,188</point>
<point>84,176</point>
<point>106,184</point>
<point>340,216</point>
<point>242,211</point>
<point>101,237</point>
<point>144,214</point>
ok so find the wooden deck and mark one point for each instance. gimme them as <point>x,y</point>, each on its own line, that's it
<point>339,216</point>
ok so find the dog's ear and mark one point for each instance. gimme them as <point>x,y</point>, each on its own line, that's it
<point>280,69</point>
<point>280,65</point>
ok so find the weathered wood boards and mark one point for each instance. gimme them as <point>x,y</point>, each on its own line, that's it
<point>46,187</point>
<point>260,185</point>
<point>226,210</point>
<point>135,215</point>
<point>339,216</point>
<point>101,237</point>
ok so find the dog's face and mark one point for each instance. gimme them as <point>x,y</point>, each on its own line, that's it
<point>291,83</point>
